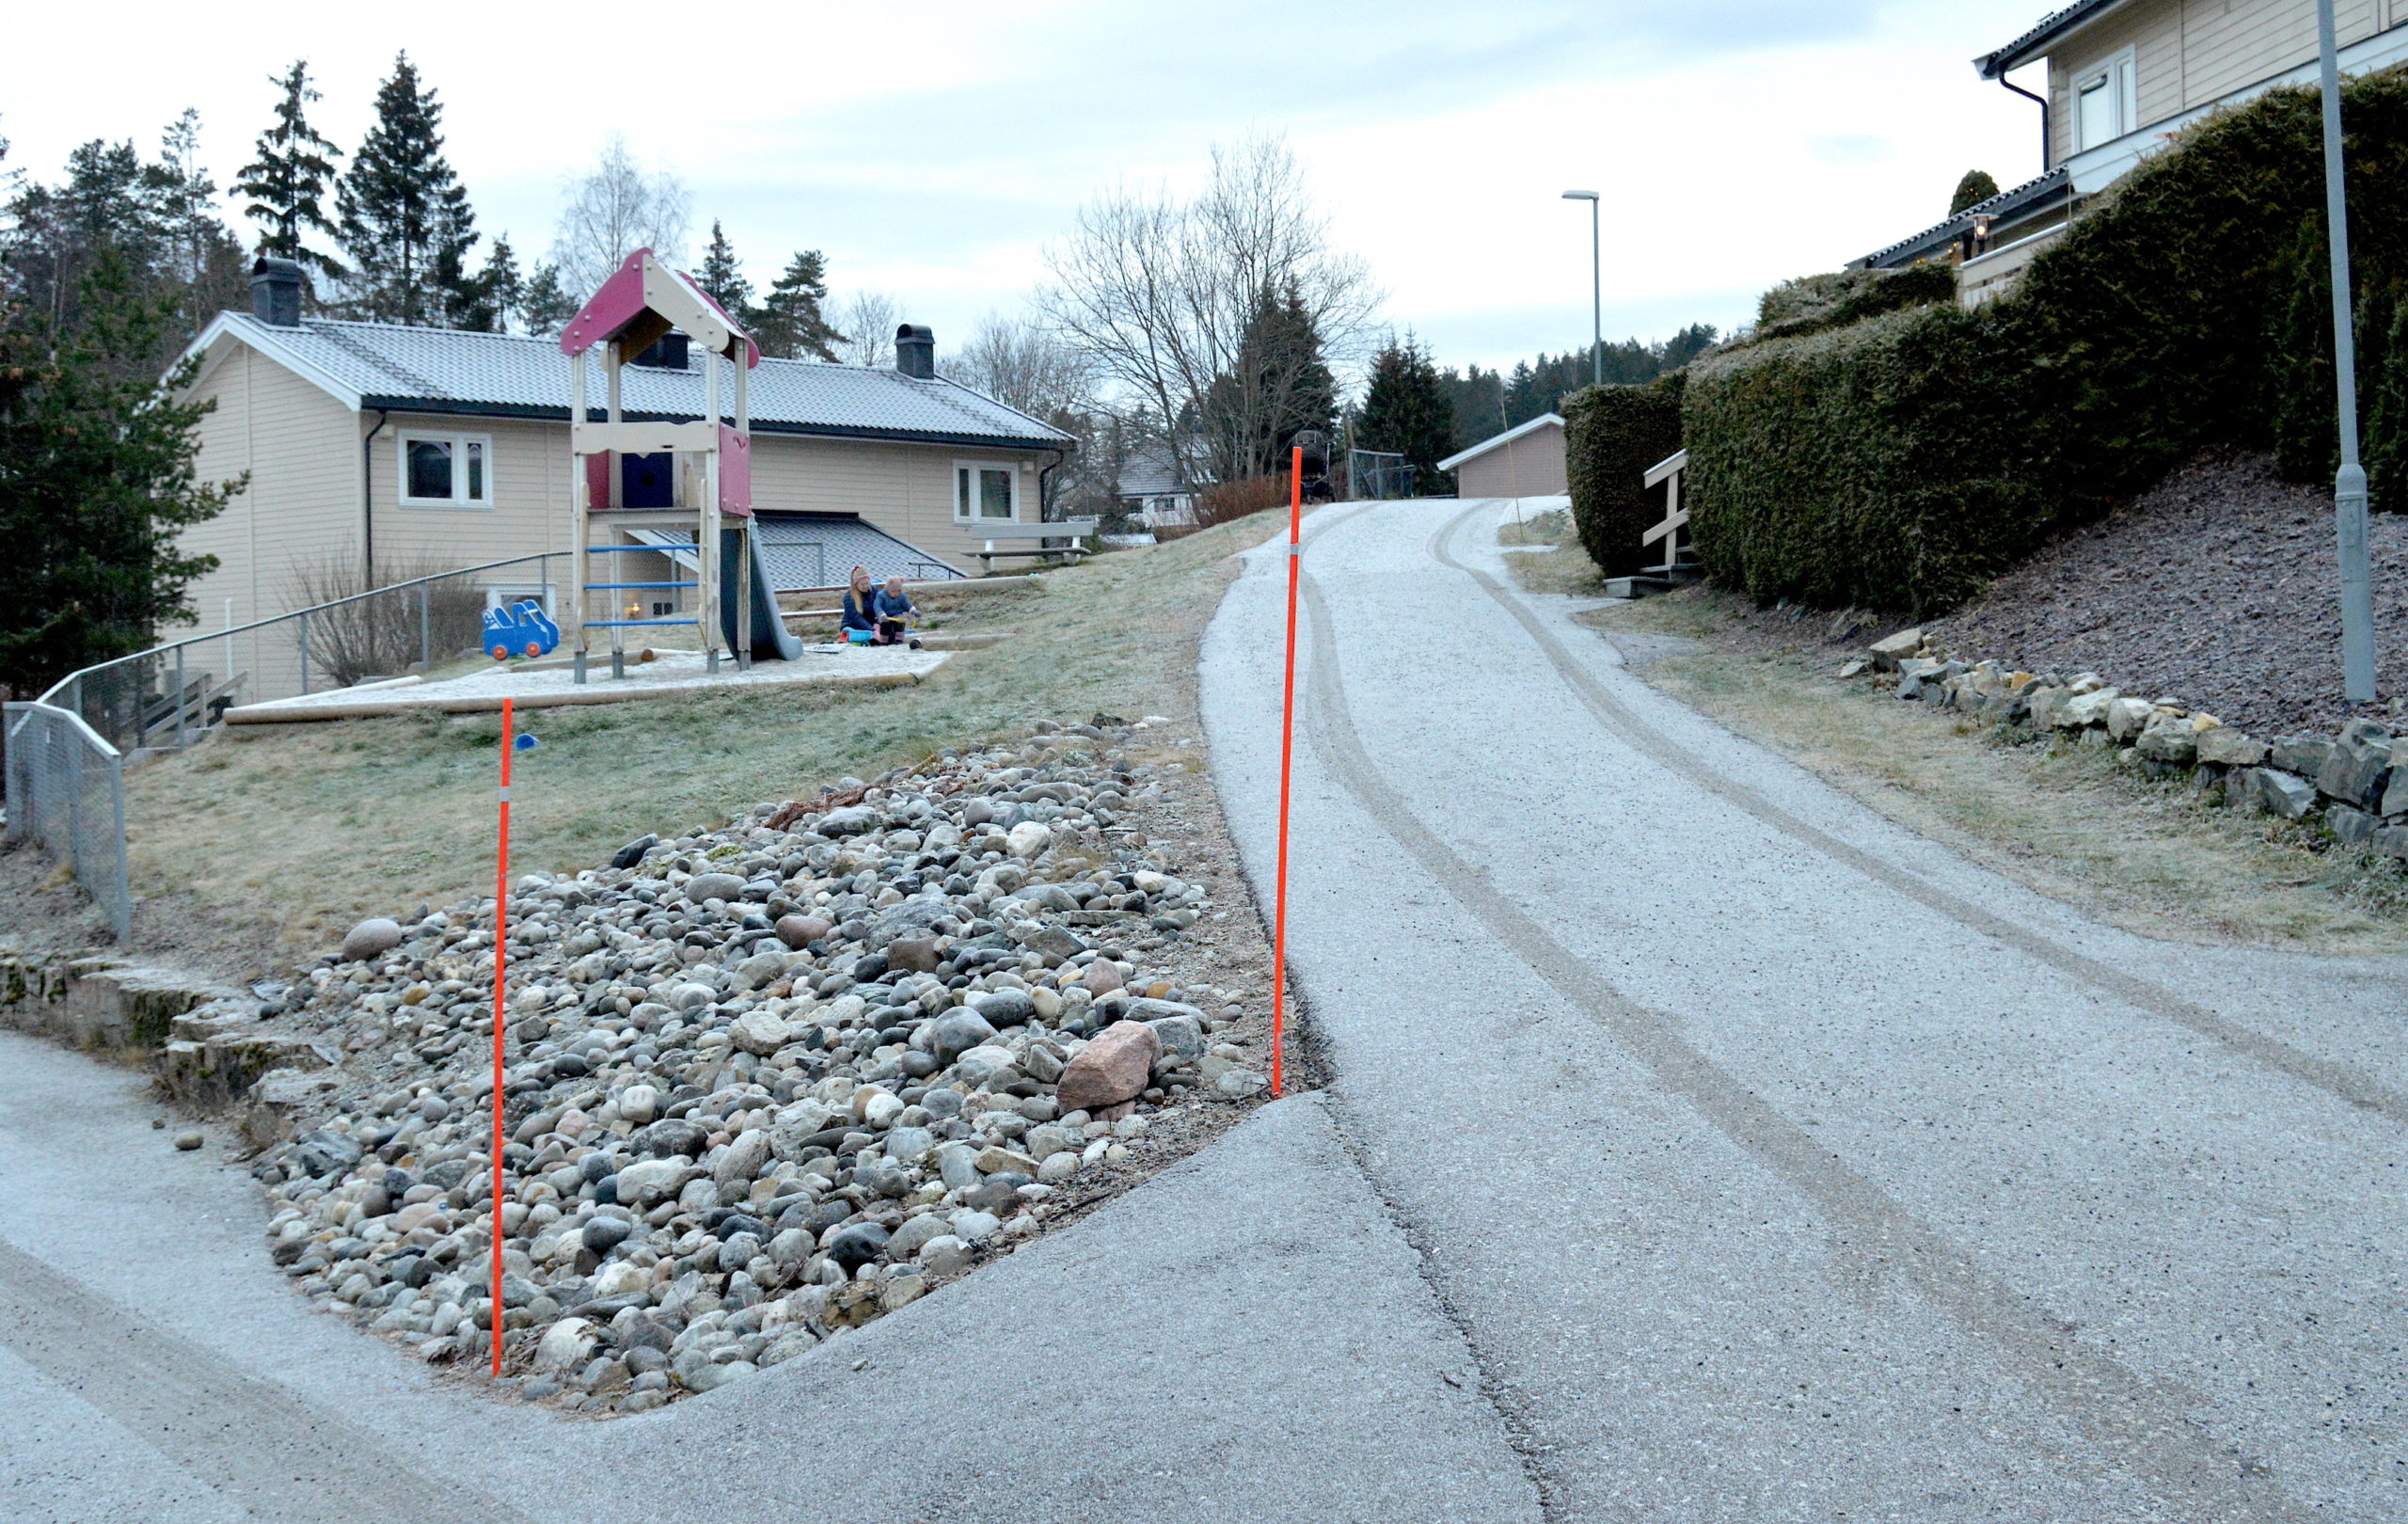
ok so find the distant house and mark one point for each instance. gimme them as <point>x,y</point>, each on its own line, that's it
<point>2123,76</point>
<point>1154,489</point>
<point>380,451</point>
<point>1523,462</point>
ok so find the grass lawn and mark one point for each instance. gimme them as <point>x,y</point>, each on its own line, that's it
<point>274,839</point>
<point>2068,820</point>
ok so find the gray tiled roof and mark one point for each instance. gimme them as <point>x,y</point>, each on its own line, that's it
<point>820,550</point>
<point>445,371</point>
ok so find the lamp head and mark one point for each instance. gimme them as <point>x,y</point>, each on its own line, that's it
<point>1579,196</point>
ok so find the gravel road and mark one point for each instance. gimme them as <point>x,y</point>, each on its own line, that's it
<point>1703,1147</point>
<point>1775,1163</point>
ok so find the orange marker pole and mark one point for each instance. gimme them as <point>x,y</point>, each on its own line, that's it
<point>1286,764</point>
<point>501,967</point>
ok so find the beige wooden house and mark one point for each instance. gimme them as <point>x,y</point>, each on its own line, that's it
<point>2109,81</point>
<point>378,453</point>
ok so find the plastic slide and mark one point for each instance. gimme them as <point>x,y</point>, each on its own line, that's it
<point>771,640</point>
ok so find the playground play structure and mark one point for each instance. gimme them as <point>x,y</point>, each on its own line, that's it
<point>652,476</point>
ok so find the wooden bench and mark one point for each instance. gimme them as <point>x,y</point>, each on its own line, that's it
<point>1071,530</point>
<point>1680,565</point>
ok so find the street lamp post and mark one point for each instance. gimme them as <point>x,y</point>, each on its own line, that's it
<point>1598,286</point>
<point>2350,482</point>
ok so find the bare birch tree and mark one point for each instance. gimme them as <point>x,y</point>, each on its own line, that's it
<point>613,210</point>
<point>869,318</point>
<point>1159,290</point>
<point>1023,365</point>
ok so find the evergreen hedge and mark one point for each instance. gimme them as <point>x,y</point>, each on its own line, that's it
<point>1611,434</point>
<point>1901,460</point>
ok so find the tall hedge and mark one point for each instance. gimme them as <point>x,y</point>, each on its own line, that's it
<point>1611,435</point>
<point>1901,460</point>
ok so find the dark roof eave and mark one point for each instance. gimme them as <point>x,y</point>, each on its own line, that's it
<point>2039,194</point>
<point>2035,43</point>
<point>545,413</point>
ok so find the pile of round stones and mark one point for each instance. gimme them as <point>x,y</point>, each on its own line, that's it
<point>764,1084</point>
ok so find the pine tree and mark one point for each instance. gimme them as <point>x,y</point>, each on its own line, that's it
<point>288,181</point>
<point>789,323</point>
<point>546,306</point>
<point>722,278</point>
<point>405,220</point>
<point>1405,412</point>
<point>97,479</point>
<point>496,296</point>
<point>1976,187</point>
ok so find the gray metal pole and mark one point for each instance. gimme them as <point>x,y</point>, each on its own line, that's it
<point>2350,482</point>
<point>1596,297</point>
<point>426,639</point>
<point>182,694</point>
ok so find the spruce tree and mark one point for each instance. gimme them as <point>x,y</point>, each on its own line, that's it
<point>405,220</point>
<point>1406,412</point>
<point>288,181</point>
<point>790,323</point>
<point>722,278</point>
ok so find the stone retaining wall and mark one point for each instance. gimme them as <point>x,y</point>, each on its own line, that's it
<point>2354,784</point>
<point>205,1050</point>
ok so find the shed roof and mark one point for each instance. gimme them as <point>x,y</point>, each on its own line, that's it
<point>385,365</point>
<point>1543,420</point>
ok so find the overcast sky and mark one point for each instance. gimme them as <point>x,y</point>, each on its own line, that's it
<point>934,150</point>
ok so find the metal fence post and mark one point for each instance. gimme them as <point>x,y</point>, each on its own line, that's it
<point>121,906</point>
<point>426,639</point>
<point>182,696</point>
<point>305,653</point>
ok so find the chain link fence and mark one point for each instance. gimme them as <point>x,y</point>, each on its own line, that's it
<point>67,751</point>
<point>66,792</point>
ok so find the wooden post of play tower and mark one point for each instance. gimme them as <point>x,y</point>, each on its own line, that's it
<point>711,464</point>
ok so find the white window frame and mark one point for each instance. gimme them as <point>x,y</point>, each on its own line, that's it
<point>458,502</point>
<point>961,509</point>
<point>2119,76</point>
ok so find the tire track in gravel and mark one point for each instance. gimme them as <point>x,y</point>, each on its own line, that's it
<point>1624,724</point>
<point>1874,1239</point>
<point>278,1454</point>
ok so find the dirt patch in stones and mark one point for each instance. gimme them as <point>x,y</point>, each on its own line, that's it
<point>2217,587</point>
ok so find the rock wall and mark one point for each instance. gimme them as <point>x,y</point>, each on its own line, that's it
<point>2354,784</point>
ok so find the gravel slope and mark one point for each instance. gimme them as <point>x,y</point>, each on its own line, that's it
<point>2217,587</point>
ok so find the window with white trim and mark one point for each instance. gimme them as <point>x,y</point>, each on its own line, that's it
<point>2106,102</point>
<point>985,490</point>
<point>446,471</point>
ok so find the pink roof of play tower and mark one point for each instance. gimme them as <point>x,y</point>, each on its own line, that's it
<point>644,299</point>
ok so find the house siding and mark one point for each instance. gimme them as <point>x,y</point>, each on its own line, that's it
<point>300,446</point>
<point>2192,53</point>
<point>1529,467</point>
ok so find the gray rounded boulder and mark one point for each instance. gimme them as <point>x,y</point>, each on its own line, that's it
<point>371,938</point>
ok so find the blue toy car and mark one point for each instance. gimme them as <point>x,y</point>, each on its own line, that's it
<point>521,630</point>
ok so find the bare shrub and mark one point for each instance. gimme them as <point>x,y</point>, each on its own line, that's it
<point>389,632</point>
<point>1225,500</point>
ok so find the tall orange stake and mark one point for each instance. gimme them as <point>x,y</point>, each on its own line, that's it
<point>501,967</point>
<point>1287,762</point>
